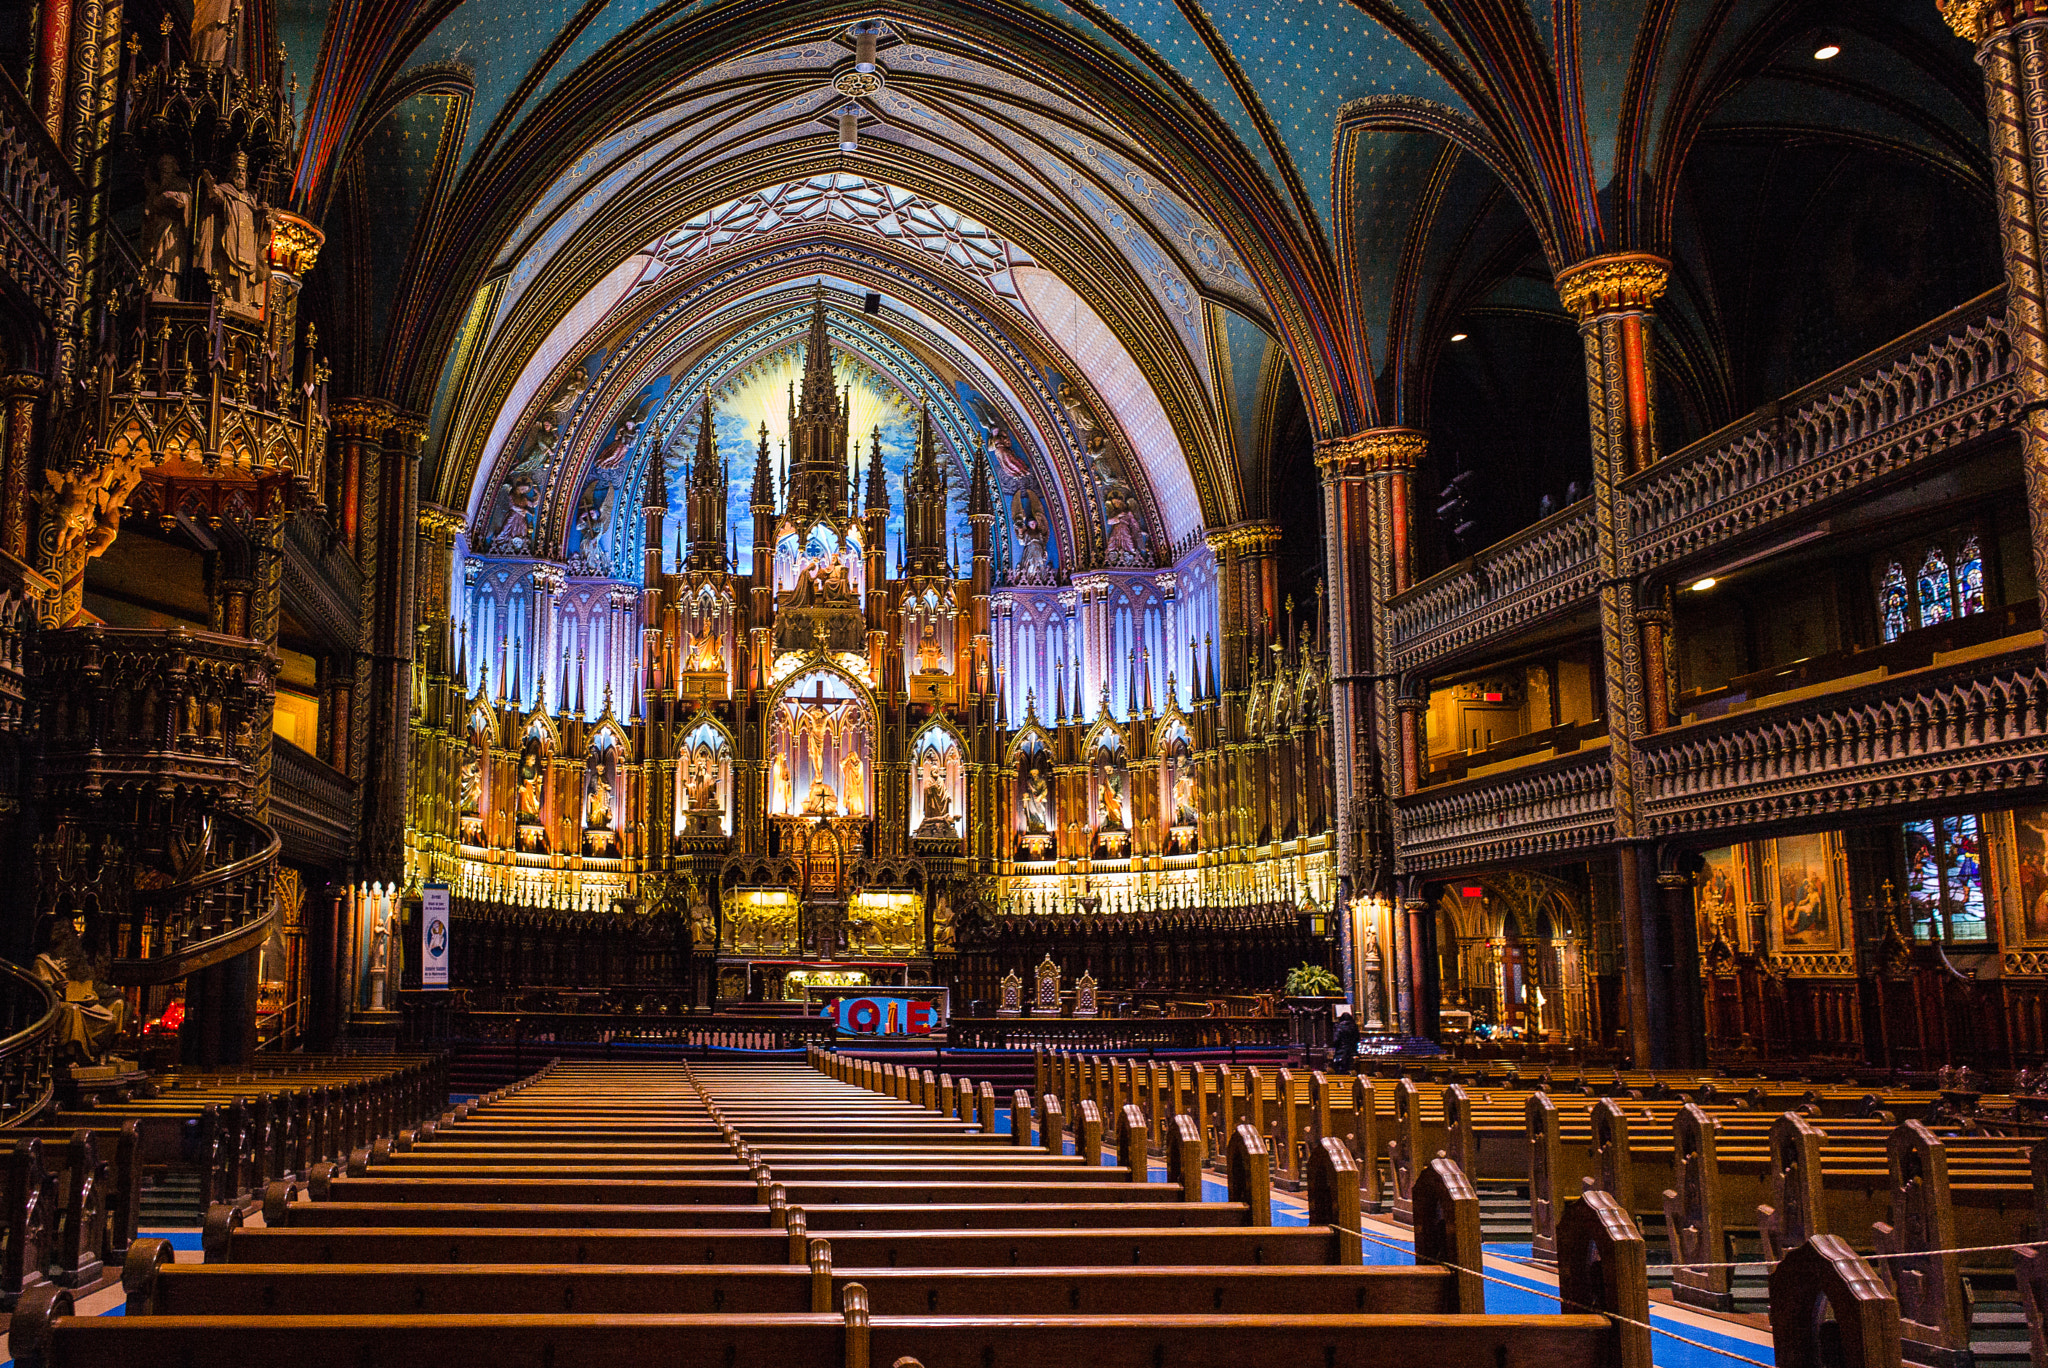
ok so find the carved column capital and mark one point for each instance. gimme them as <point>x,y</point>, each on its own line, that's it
<point>1245,538</point>
<point>440,524</point>
<point>21,386</point>
<point>1622,282</point>
<point>360,420</point>
<point>409,430</point>
<point>1372,451</point>
<point>1979,21</point>
<point>294,243</point>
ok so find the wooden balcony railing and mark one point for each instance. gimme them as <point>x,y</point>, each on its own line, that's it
<point>311,803</point>
<point>1942,385</point>
<point>1945,735</point>
<point>1939,736</point>
<point>1546,808</point>
<point>1543,571</point>
<point>1939,388</point>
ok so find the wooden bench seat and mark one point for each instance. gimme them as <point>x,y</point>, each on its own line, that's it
<point>230,1289</point>
<point>603,1188</point>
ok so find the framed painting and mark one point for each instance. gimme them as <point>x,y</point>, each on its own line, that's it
<point>2020,841</point>
<point>1722,895</point>
<point>1806,891</point>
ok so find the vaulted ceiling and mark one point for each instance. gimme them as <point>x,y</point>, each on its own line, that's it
<point>1192,218</point>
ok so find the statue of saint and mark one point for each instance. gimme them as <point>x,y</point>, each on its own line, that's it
<point>1184,813</point>
<point>94,1013</point>
<point>1037,800</point>
<point>1110,795</point>
<point>853,783</point>
<point>230,244</point>
<point>597,812</point>
<point>472,783</point>
<point>380,965</point>
<point>930,660</point>
<point>938,805</point>
<point>216,29</point>
<point>837,584</point>
<point>781,795</point>
<point>166,227</point>
<point>703,787</point>
<point>531,780</point>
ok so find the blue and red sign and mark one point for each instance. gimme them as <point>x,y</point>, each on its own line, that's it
<point>886,1016</point>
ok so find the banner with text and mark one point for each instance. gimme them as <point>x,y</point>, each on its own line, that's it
<point>434,935</point>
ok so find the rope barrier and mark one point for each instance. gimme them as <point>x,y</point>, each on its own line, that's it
<point>1564,1304</point>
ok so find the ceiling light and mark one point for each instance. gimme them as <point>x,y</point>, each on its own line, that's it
<point>864,49</point>
<point>849,129</point>
<point>1827,49</point>
<point>1700,586</point>
<point>1457,337</point>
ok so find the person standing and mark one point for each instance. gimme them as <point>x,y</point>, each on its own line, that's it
<point>1344,1042</point>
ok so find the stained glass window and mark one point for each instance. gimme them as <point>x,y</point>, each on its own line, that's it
<point>1945,878</point>
<point>1923,877</point>
<point>1894,603</point>
<point>1962,877</point>
<point>1934,589</point>
<point>1969,579</point>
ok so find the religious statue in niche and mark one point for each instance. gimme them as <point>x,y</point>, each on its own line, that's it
<point>1124,540</point>
<point>930,658</point>
<point>942,920</point>
<point>166,227</point>
<point>1183,830</point>
<point>380,961</point>
<point>936,797</point>
<point>231,239</point>
<point>600,821</point>
<point>1109,795</point>
<point>590,530</point>
<point>1037,792</point>
<point>853,784</point>
<point>511,533</point>
<point>781,794</point>
<point>532,775</point>
<point>821,801</point>
<point>702,788</point>
<point>470,783</point>
<point>1028,521</point>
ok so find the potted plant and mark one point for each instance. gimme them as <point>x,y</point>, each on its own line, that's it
<point>1311,981</point>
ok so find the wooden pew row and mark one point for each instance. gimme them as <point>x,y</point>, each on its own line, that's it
<point>1246,1163</point>
<point>72,1192</point>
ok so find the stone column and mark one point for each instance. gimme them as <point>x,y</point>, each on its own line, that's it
<point>1612,297</point>
<point>18,393</point>
<point>2012,47</point>
<point>432,623</point>
<point>392,543</point>
<point>1366,477</point>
